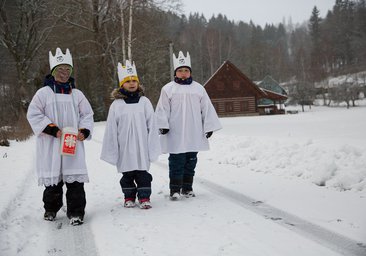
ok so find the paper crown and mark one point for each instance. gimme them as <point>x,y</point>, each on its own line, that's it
<point>127,72</point>
<point>181,61</point>
<point>60,58</point>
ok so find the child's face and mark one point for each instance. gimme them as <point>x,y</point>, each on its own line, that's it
<point>62,73</point>
<point>183,73</point>
<point>131,85</point>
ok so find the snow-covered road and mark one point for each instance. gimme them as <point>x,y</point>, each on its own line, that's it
<point>241,208</point>
<point>219,221</point>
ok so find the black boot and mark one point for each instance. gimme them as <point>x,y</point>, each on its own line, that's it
<point>50,216</point>
<point>52,198</point>
<point>187,190</point>
<point>175,186</point>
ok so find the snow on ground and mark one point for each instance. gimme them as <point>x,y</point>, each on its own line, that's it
<point>270,185</point>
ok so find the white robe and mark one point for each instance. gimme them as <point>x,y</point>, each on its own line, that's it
<point>63,110</point>
<point>131,139</point>
<point>187,111</point>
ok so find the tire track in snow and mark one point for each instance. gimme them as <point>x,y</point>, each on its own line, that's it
<point>12,204</point>
<point>66,240</point>
<point>327,238</point>
<point>62,238</point>
<point>12,221</point>
<point>19,221</point>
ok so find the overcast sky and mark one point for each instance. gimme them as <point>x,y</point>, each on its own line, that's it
<point>259,11</point>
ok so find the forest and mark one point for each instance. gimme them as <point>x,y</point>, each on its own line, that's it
<point>101,33</point>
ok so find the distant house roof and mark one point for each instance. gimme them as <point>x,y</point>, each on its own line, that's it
<point>269,84</point>
<point>273,90</point>
<point>273,95</point>
<point>228,67</point>
<point>232,93</point>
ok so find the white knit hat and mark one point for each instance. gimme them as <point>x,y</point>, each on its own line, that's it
<point>60,58</point>
<point>181,61</point>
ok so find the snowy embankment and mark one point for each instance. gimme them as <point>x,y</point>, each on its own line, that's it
<point>325,146</point>
<point>266,181</point>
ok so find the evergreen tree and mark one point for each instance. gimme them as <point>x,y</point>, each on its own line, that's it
<point>316,54</point>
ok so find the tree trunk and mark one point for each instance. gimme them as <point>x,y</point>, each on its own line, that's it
<point>129,43</point>
<point>123,36</point>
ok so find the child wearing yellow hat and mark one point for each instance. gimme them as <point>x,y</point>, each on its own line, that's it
<point>131,139</point>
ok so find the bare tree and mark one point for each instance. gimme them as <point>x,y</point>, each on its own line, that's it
<point>24,28</point>
<point>211,38</point>
<point>304,94</point>
<point>129,41</point>
<point>97,21</point>
<point>123,36</point>
<point>348,91</point>
<point>340,94</point>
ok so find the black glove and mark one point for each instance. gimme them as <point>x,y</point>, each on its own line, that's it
<point>51,129</point>
<point>208,134</point>
<point>163,131</point>
<point>85,132</point>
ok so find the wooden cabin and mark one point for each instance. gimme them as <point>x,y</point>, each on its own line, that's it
<point>273,103</point>
<point>232,93</point>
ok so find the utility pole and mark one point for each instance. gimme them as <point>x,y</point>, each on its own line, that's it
<point>171,61</point>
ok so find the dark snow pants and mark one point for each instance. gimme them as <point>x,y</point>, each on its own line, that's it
<point>136,183</point>
<point>75,198</point>
<point>181,171</point>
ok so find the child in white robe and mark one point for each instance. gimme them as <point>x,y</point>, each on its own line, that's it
<point>57,105</point>
<point>186,119</point>
<point>131,139</point>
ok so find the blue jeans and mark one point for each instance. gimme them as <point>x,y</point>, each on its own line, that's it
<point>136,183</point>
<point>181,171</point>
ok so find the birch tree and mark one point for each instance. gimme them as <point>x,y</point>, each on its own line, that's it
<point>129,40</point>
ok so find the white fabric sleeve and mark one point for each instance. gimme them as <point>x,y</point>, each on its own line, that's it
<point>153,134</point>
<point>86,113</point>
<point>163,110</point>
<point>110,140</point>
<point>36,115</point>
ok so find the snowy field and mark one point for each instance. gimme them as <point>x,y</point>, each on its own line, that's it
<point>270,186</point>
